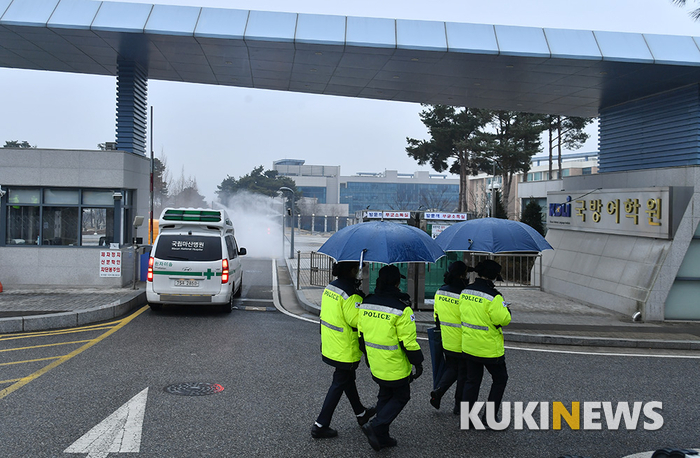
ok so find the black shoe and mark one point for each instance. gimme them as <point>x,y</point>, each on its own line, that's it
<point>435,399</point>
<point>366,415</point>
<point>322,432</point>
<point>391,442</point>
<point>371,437</point>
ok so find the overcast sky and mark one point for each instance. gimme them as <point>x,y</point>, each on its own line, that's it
<point>215,131</point>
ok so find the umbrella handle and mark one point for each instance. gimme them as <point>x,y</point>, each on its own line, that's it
<point>362,258</point>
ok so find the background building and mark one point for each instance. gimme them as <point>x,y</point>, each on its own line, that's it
<point>388,190</point>
<point>391,190</point>
<point>320,182</point>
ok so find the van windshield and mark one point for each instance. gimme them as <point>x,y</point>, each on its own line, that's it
<point>188,248</point>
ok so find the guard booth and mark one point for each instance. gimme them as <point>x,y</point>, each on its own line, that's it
<point>422,279</point>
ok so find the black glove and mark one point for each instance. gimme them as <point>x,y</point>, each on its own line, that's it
<point>418,372</point>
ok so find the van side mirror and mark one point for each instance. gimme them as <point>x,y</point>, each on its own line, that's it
<point>242,251</point>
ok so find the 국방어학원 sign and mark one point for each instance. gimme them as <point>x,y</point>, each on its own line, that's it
<point>641,212</point>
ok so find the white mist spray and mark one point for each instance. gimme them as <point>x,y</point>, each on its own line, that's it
<point>257,220</point>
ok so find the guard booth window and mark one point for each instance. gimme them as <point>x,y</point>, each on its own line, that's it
<point>60,226</point>
<point>62,217</point>
<point>60,223</point>
<point>22,217</point>
<point>97,227</point>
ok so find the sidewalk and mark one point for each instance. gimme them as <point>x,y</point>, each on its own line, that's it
<point>38,308</point>
<point>542,318</point>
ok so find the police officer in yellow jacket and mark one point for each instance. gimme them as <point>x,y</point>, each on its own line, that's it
<point>448,321</point>
<point>340,347</point>
<point>388,337</point>
<point>483,314</point>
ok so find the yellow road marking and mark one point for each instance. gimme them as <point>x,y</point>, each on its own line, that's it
<point>30,361</point>
<point>2,382</point>
<point>46,345</point>
<point>25,380</point>
<point>54,331</point>
<point>100,327</point>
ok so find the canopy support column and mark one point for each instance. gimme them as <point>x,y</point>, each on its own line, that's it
<point>132,85</point>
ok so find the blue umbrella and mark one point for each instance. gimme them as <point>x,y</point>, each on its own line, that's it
<point>383,242</point>
<point>492,235</point>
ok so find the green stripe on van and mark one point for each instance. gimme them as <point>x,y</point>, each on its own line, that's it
<point>208,274</point>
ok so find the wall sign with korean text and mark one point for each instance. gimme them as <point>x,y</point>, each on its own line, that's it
<point>110,263</point>
<point>641,212</point>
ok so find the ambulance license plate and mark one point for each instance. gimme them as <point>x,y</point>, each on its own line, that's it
<point>186,283</point>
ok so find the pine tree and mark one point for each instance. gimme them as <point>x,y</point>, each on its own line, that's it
<point>501,211</point>
<point>532,216</point>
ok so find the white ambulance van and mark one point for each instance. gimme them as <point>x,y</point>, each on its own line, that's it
<point>195,260</point>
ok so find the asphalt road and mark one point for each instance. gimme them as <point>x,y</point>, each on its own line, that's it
<point>274,383</point>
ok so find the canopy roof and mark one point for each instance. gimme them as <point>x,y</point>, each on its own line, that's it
<point>558,71</point>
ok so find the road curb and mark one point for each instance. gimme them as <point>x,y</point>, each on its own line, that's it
<point>50,321</point>
<point>549,339</point>
<point>301,297</point>
<point>305,304</point>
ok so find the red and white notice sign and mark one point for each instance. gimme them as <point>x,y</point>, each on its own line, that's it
<point>110,263</point>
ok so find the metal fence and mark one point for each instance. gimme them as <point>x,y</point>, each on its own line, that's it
<point>516,269</point>
<point>521,270</point>
<point>311,269</point>
<point>320,267</point>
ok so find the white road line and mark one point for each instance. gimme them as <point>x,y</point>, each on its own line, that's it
<point>243,299</point>
<point>118,433</point>
<point>595,353</point>
<point>573,352</point>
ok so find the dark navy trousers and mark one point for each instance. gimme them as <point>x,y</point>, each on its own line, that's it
<point>343,382</point>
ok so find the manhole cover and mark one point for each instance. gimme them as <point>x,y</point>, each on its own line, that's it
<point>194,389</point>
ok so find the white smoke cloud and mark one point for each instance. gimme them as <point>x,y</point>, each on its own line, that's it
<point>257,220</point>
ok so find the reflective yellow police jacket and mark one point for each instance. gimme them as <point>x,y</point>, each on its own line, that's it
<point>384,330</point>
<point>339,311</point>
<point>446,311</point>
<point>483,314</point>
